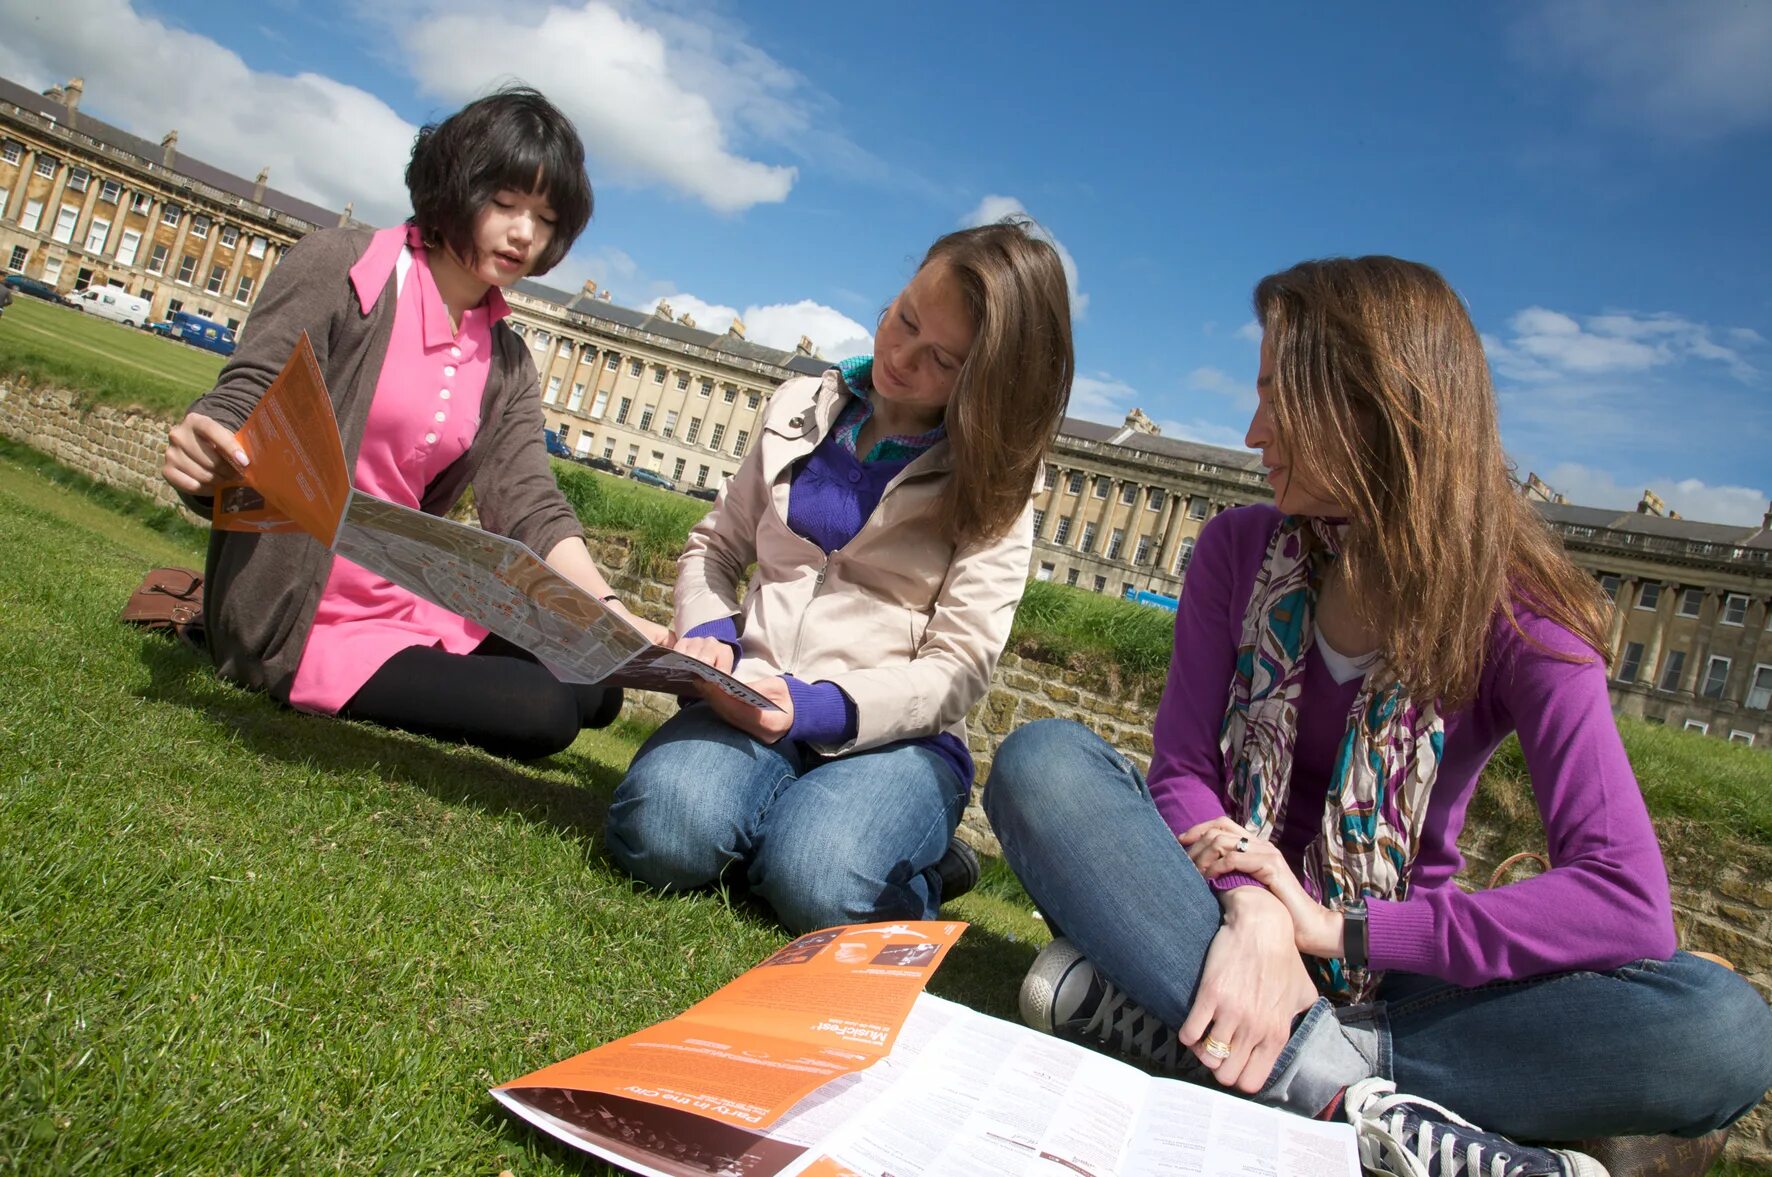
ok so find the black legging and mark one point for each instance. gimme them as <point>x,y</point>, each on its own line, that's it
<point>498,698</point>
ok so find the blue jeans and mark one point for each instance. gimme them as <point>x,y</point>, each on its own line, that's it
<point>824,841</point>
<point>1678,1046</point>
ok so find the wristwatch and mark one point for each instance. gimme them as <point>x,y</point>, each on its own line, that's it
<point>1353,933</point>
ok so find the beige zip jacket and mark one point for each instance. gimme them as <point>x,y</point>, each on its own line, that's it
<point>909,626</point>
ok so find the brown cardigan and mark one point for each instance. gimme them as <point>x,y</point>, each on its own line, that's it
<point>262,589</point>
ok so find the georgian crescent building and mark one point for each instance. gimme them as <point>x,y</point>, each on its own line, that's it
<point>650,390</point>
<point>1118,509</point>
<point>84,203</point>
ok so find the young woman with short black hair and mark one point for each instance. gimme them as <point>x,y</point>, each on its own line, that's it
<point>433,393</point>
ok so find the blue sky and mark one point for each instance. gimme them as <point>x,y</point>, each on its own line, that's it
<point>1591,175</point>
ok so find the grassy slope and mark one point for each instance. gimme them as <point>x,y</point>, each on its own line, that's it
<point>233,938</point>
<point>105,362</point>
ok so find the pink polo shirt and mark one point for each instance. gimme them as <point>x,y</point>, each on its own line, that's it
<point>424,416</point>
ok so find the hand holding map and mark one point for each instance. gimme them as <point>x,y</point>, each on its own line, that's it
<point>297,479</point>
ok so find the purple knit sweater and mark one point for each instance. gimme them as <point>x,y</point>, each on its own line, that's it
<point>1606,901</point>
<point>831,496</point>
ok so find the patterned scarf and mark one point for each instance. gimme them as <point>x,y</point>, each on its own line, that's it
<point>858,379</point>
<point>1383,772</point>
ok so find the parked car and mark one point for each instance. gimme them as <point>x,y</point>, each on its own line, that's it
<point>652,478</point>
<point>710,493</point>
<point>197,331</point>
<point>36,288</point>
<point>556,447</point>
<point>108,302</point>
<point>603,464</point>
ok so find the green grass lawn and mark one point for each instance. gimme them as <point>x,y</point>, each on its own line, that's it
<point>104,362</point>
<point>236,939</point>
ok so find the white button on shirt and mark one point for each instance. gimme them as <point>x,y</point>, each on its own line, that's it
<point>430,439</point>
<point>444,393</point>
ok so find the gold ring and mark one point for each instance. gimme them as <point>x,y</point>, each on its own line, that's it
<point>1215,1048</point>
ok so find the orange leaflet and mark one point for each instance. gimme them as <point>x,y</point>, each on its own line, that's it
<point>828,1004</point>
<point>295,478</point>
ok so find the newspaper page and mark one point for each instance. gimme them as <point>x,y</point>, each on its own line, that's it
<point>990,1097</point>
<point>296,480</point>
<point>961,1092</point>
<point>293,454</point>
<point>745,1080</point>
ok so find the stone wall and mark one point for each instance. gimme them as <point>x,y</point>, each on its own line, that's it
<point>1726,911</point>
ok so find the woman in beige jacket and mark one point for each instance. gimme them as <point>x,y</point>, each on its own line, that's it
<point>886,509</point>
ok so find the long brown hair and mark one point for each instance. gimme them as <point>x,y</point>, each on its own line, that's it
<point>1011,392</point>
<point>1381,395</point>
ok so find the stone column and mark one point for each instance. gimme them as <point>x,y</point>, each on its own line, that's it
<point>1710,606</point>
<point>1627,597</point>
<point>200,280</point>
<point>1664,612</point>
<point>1169,529</point>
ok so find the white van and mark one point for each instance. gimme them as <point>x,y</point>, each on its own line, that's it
<point>109,302</point>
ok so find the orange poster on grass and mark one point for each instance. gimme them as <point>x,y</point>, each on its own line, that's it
<point>828,1004</point>
<point>295,477</point>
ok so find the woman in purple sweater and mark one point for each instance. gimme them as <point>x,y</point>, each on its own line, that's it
<point>1274,907</point>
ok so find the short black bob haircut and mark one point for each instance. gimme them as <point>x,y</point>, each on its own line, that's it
<point>511,139</point>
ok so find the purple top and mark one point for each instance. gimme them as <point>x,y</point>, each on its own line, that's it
<point>832,494</point>
<point>1606,901</point>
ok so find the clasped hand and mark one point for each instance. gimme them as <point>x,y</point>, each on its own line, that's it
<point>1254,982</point>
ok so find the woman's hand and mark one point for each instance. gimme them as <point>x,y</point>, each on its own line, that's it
<point>200,451</point>
<point>713,651</point>
<point>767,726</point>
<point>1253,986</point>
<point>658,635</point>
<point>1213,847</point>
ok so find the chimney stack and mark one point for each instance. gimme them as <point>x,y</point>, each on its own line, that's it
<point>169,148</point>
<point>1137,422</point>
<point>1766,519</point>
<point>686,319</point>
<point>804,347</point>
<point>663,311</point>
<point>344,218</point>
<point>258,185</point>
<point>1651,504</point>
<point>737,327</point>
<point>71,94</point>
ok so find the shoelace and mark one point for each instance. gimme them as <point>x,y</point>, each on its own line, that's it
<point>1369,1102</point>
<point>1123,1024</point>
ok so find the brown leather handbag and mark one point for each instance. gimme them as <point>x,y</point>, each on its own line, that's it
<point>169,600</point>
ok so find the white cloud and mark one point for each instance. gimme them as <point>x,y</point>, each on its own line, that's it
<point>835,334</point>
<point>1205,432</point>
<point>1240,390</point>
<point>994,208</point>
<point>1547,345</point>
<point>1101,397</point>
<point>780,325</point>
<point>1691,497</point>
<point>658,99</point>
<point>625,85</point>
<point>1106,399</point>
<point>1250,331</point>
<point>1692,70</point>
<point>323,141</point>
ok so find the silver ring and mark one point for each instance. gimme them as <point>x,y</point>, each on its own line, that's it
<point>1242,845</point>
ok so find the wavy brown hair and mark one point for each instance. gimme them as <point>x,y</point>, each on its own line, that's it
<point>1381,394</point>
<point>1011,392</point>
